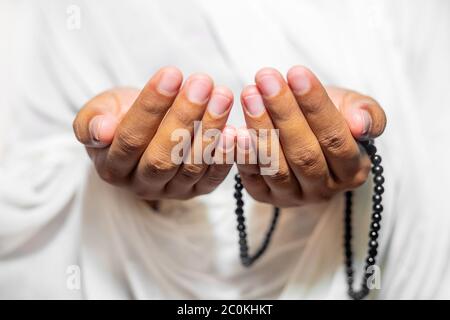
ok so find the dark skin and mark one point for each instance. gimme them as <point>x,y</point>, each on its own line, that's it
<point>127,134</point>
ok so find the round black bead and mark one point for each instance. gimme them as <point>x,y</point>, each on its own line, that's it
<point>376,198</point>
<point>373,244</point>
<point>378,207</point>
<point>370,261</point>
<point>373,235</point>
<point>377,169</point>
<point>241,227</point>
<point>378,189</point>
<point>375,226</point>
<point>376,159</point>
<point>371,149</point>
<point>378,179</point>
<point>376,216</point>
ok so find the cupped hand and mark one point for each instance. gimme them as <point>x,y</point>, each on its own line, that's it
<point>128,135</point>
<point>318,131</point>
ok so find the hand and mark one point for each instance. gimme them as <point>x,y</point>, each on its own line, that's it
<point>127,134</point>
<point>318,156</point>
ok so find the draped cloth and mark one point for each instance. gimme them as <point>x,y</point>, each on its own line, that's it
<point>55,212</point>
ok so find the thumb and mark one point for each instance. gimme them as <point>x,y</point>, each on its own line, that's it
<point>364,116</point>
<point>96,123</point>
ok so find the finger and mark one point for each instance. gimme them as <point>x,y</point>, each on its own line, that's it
<point>159,162</point>
<point>273,165</point>
<point>248,168</point>
<point>364,116</point>
<point>223,162</point>
<point>340,148</point>
<point>205,141</point>
<point>140,123</point>
<point>300,146</point>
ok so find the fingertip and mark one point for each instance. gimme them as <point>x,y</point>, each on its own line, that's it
<point>225,91</point>
<point>300,79</point>
<point>252,101</point>
<point>169,81</point>
<point>265,72</point>
<point>359,121</point>
<point>269,82</point>
<point>221,101</point>
<point>201,76</point>
<point>199,87</point>
<point>250,90</point>
<point>102,129</point>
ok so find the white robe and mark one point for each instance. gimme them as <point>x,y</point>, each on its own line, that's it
<point>57,216</point>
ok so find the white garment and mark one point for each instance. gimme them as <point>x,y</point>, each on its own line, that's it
<point>55,212</point>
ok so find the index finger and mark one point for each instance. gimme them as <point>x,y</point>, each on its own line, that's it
<point>141,122</point>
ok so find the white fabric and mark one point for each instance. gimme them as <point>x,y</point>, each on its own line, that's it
<point>55,212</point>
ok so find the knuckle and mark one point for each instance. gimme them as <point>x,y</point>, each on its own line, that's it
<point>325,196</point>
<point>260,197</point>
<point>214,179</point>
<point>151,105</point>
<point>321,195</point>
<point>281,177</point>
<point>109,175</point>
<point>128,142</point>
<point>334,141</point>
<point>141,193</point>
<point>191,172</point>
<point>154,166</point>
<point>144,193</point>
<point>183,116</point>
<point>314,104</point>
<point>308,158</point>
<point>248,176</point>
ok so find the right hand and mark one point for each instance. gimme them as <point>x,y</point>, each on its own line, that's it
<point>127,134</point>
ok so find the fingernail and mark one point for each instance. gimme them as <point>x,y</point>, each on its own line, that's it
<point>198,90</point>
<point>95,127</point>
<point>298,80</point>
<point>218,104</point>
<point>269,84</point>
<point>254,104</point>
<point>243,139</point>
<point>169,82</point>
<point>366,120</point>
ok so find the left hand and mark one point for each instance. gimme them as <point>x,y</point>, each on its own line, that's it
<point>318,128</point>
